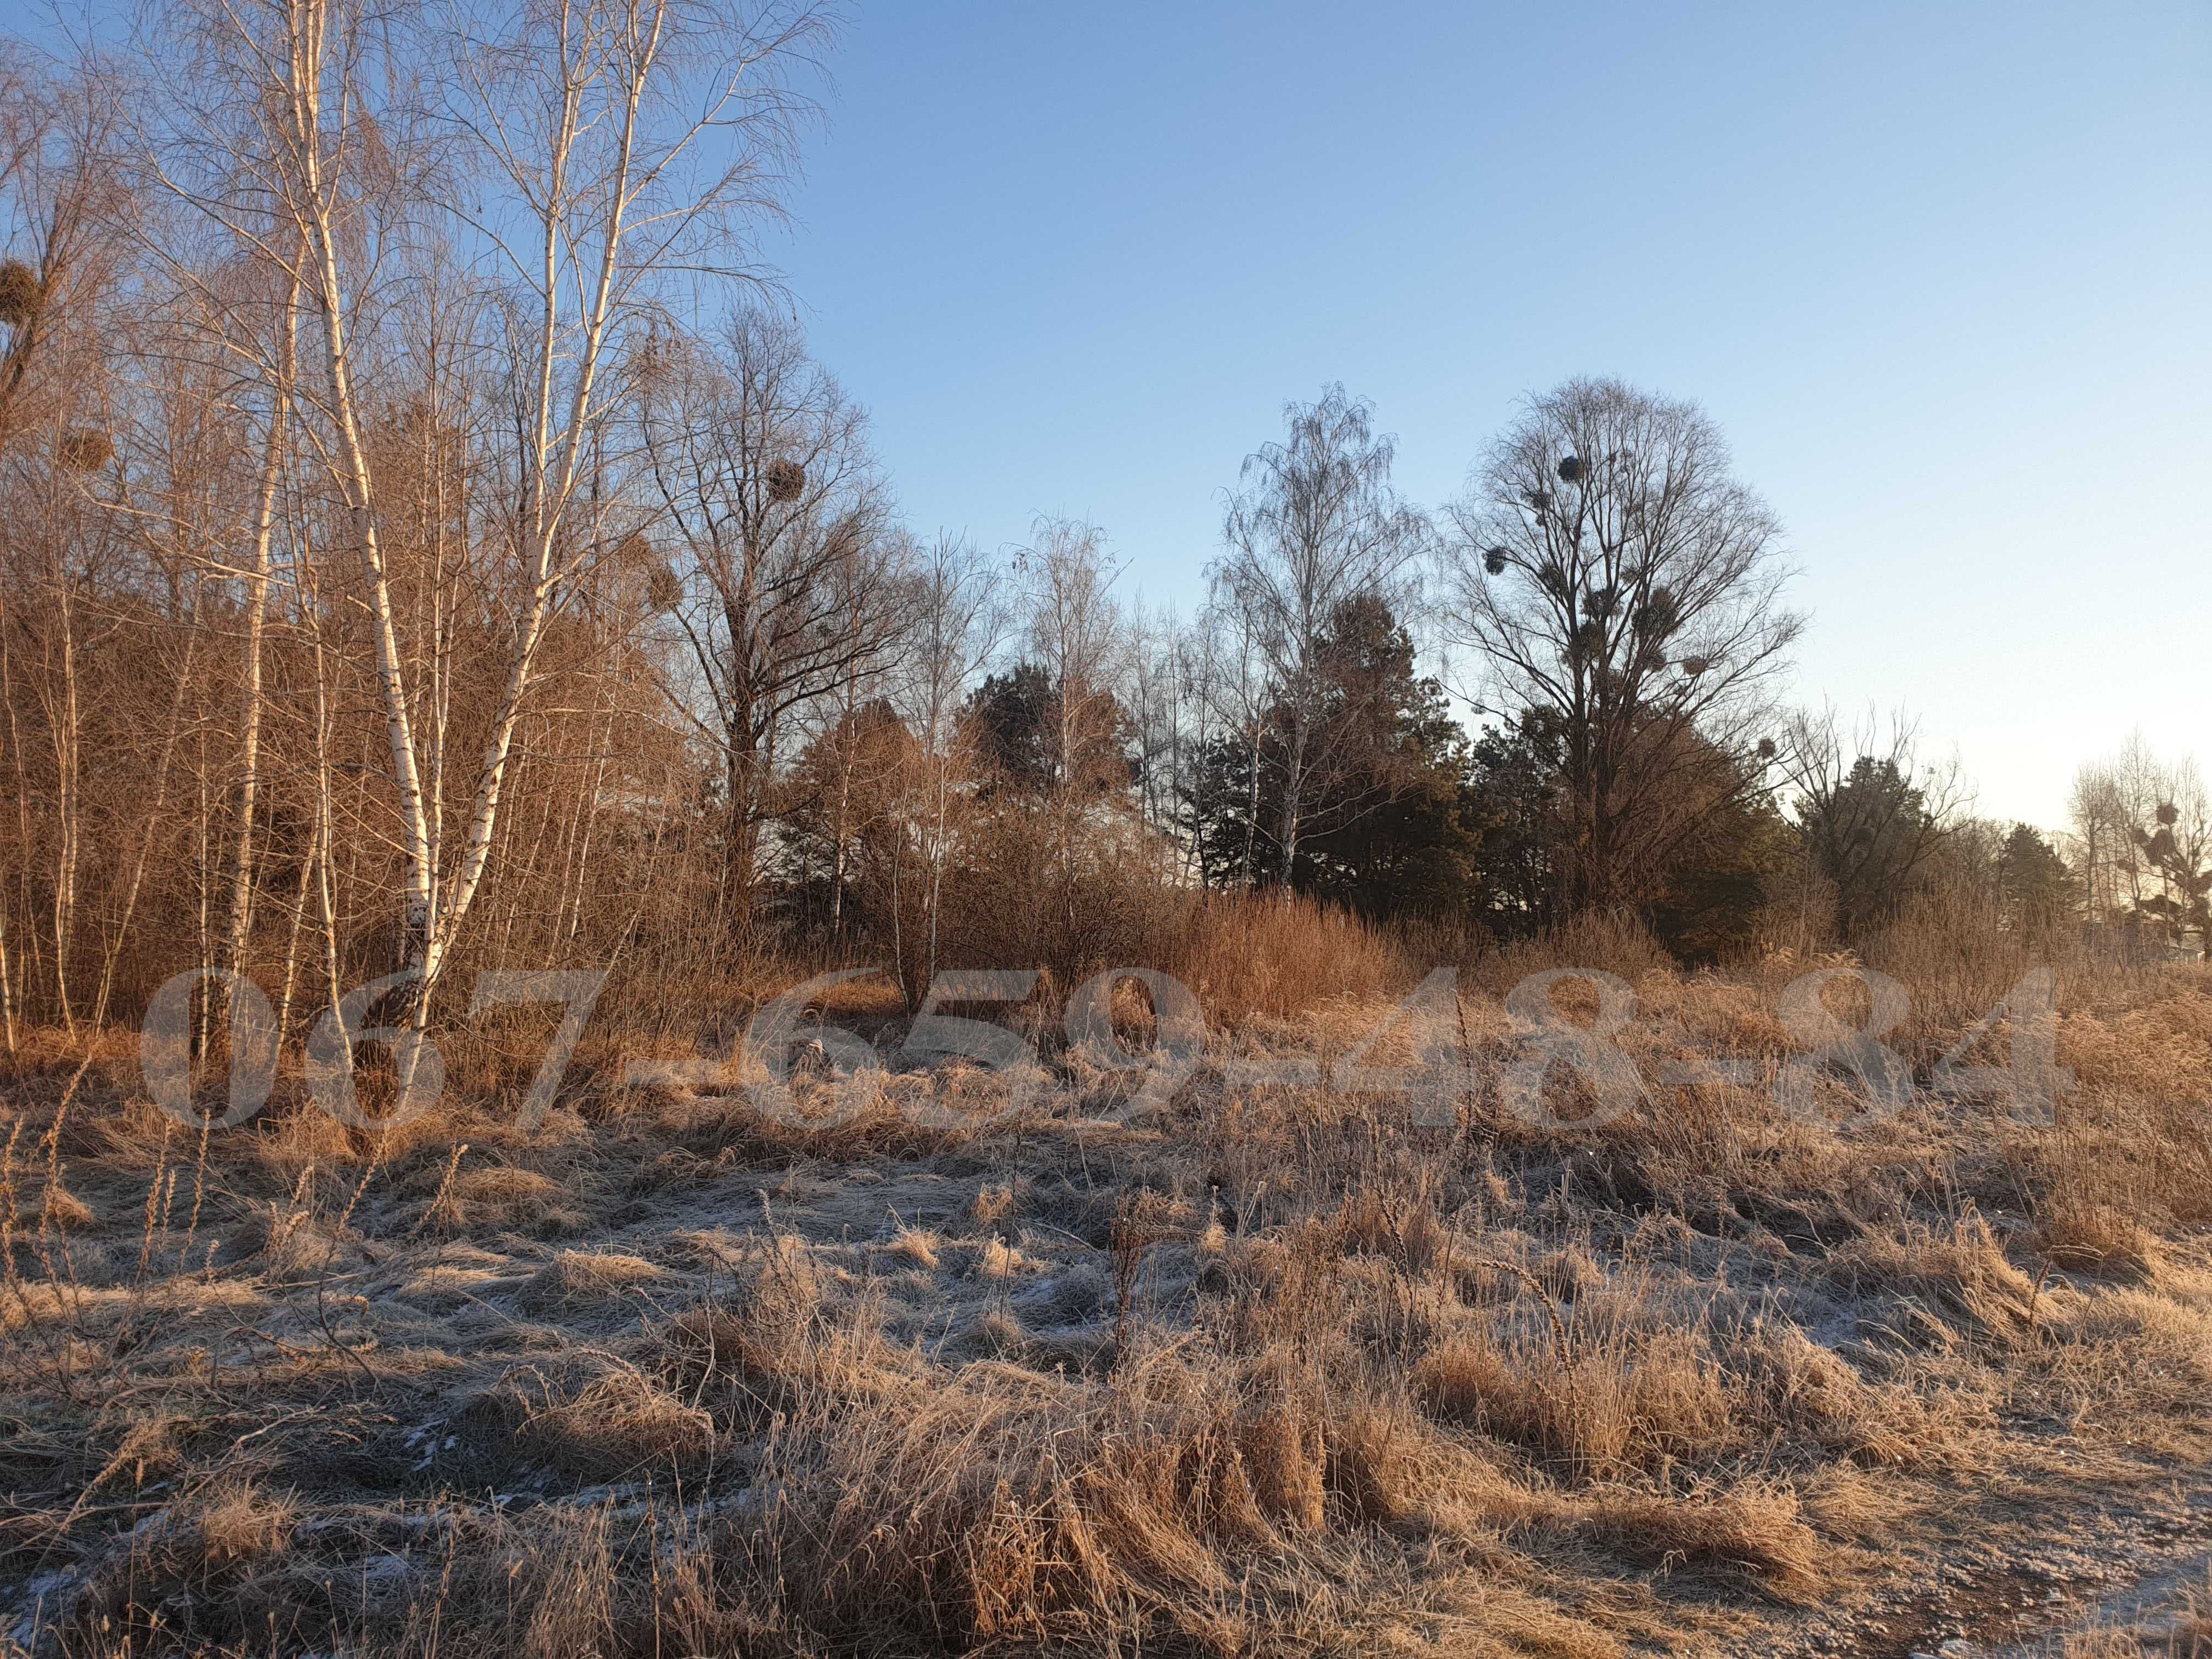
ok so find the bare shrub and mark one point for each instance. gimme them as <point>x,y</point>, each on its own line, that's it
<point>1610,941</point>
<point>1243,955</point>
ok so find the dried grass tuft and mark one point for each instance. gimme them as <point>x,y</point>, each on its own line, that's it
<point>176,1586</point>
<point>60,1207</point>
<point>1749,1534</point>
<point>1954,1271</point>
<point>619,1424</point>
<point>578,1278</point>
<point>2083,1235</point>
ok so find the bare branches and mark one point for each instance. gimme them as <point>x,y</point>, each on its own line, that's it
<point>1873,813</point>
<point>507,202</point>
<point>2142,836</point>
<point>1316,527</point>
<point>1610,572</point>
<point>787,581</point>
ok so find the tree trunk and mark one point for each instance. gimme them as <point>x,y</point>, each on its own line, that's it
<point>249,747</point>
<point>1294,777</point>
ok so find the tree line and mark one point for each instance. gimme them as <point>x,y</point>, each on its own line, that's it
<point>429,538</point>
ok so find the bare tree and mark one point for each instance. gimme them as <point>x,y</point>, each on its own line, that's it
<point>789,583</point>
<point>962,615</point>
<point>2144,828</point>
<point>2178,844</point>
<point>630,139</point>
<point>61,201</point>
<point>1062,808</point>
<point>1314,526</point>
<point>1205,713</point>
<point>1075,632</point>
<point>1158,691</point>
<point>2104,851</point>
<point>1614,577</point>
<point>2140,783</point>
<point>1233,699</point>
<point>257,580</point>
<point>1873,813</point>
<point>586,153</point>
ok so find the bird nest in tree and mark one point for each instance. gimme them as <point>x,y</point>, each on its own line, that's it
<point>786,481</point>
<point>1694,666</point>
<point>86,449</point>
<point>1572,469</point>
<point>1767,750</point>
<point>1659,616</point>
<point>1494,560</point>
<point>21,294</point>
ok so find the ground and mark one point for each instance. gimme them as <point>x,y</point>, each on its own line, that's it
<point>1260,1359</point>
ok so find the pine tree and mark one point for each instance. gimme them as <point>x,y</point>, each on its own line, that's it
<point>2038,894</point>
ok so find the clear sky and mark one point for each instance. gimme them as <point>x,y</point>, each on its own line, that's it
<point>1941,273</point>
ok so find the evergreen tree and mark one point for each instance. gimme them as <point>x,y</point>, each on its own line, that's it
<point>1383,830</point>
<point>1512,803</point>
<point>2038,894</point>
<point>1710,904</point>
<point>1870,835</point>
<point>1009,719</point>
<point>1385,834</point>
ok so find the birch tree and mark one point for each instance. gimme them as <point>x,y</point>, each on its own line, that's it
<point>1314,526</point>
<point>590,162</point>
<point>961,616</point>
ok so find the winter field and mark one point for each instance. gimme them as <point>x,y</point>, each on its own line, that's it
<point>1290,1338</point>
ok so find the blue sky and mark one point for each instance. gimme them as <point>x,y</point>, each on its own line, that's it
<point>1940,272</point>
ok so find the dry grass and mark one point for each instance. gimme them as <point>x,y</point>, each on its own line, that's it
<point>1949,1272</point>
<point>1278,1369</point>
<point>574,1278</point>
<point>1243,955</point>
<point>618,1426</point>
<point>1604,1403</point>
<point>1748,1534</point>
<point>2092,1236</point>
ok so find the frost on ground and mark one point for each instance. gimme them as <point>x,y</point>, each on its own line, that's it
<point>1269,1366</point>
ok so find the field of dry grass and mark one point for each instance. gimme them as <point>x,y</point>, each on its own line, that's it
<point>1280,1366</point>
